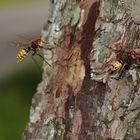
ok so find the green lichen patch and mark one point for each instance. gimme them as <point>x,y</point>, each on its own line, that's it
<point>71,15</point>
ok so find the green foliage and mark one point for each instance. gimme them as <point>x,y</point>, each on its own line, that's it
<point>16,93</point>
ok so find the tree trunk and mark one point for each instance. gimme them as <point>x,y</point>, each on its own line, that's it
<point>81,97</point>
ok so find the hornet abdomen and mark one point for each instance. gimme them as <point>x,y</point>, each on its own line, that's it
<point>21,54</point>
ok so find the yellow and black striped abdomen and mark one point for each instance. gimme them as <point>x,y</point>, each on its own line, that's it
<point>21,55</point>
<point>116,65</point>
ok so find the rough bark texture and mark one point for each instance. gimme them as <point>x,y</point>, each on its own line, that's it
<point>78,98</point>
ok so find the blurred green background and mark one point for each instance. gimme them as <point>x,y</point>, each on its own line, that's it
<point>5,3</point>
<point>18,82</point>
<point>16,91</point>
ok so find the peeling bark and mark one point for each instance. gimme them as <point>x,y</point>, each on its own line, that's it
<point>79,98</point>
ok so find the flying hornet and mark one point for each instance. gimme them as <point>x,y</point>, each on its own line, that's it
<point>33,47</point>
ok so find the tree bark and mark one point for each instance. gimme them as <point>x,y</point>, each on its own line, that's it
<point>79,98</point>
